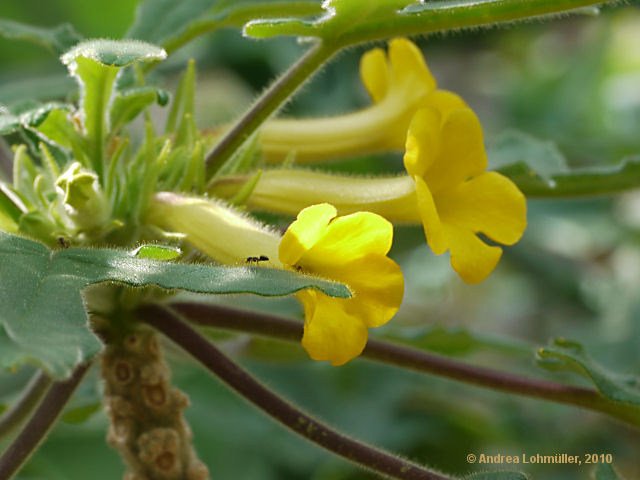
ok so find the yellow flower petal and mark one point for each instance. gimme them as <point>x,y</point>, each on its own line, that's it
<point>444,101</point>
<point>374,73</point>
<point>461,153</point>
<point>302,234</point>
<point>347,239</point>
<point>473,259</point>
<point>431,223</point>
<point>423,141</point>
<point>489,203</point>
<point>378,287</point>
<point>407,63</point>
<point>330,333</point>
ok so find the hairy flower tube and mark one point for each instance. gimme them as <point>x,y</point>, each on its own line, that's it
<point>399,85</point>
<point>447,191</point>
<point>350,249</point>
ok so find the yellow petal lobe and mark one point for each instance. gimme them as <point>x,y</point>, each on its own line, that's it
<point>330,333</point>
<point>471,258</point>
<point>422,144</point>
<point>407,64</point>
<point>302,234</point>
<point>489,203</point>
<point>374,73</point>
<point>461,154</point>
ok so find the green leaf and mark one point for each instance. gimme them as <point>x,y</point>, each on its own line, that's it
<point>605,471</point>
<point>57,39</point>
<point>157,252</point>
<point>95,64</point>
<point>42,87</point>
<point>513,147</point>
<point>173,24</point>
<point>567,355</point>
<point>348,22</point>
<point>43,312</point>
<point>32,117</point>
<point>158,19</point>
<point>128,104</point>
<point>497,476</point>
<point>587,181</point>
<point>11,354</point>
<point>113,53</point>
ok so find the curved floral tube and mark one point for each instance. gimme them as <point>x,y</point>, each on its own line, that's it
<point>399,84</point>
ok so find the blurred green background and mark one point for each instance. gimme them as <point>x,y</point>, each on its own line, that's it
<point>575,274</point>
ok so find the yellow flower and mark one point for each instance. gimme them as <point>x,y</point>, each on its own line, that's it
<point>352,250</point>
<point>457,198</point>
<point>398,85</point>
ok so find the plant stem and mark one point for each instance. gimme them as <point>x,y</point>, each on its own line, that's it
<point>420,361</point>
<point>444,16</point>
<point>259,395</point>
<point>34,391</point>
<point>268,103</point>
<point>40,423</point>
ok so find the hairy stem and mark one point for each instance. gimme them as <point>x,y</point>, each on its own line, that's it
<point>268,103</point>
<point>420,361</point>
<point>32,394</point>
<point>40,423</point>
<point>255,392</point>
<point>444,16</point>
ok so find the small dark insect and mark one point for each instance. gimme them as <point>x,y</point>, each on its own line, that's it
<point>261,258</point>
<point>64,243</point>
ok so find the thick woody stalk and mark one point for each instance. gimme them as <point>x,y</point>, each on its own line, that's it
<point>147,427</point>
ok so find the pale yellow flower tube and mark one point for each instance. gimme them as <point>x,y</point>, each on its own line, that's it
<point>289,191</point>
<point>222,233</point>
<point>398,84</point>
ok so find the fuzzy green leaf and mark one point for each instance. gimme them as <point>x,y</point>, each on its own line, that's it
<point>32,117</point>
<point>113,53</point>
<point>95,64</point>
<point>43,312</point>
<point>157,252</point>
<point>158,19</point>
<point>57,39</point>
<point>580,182</point>
<point>173,24</point>
<point>565,355</point>
<point>128,104</point>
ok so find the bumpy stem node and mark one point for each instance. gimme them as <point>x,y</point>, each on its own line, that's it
<point>147,427</point>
